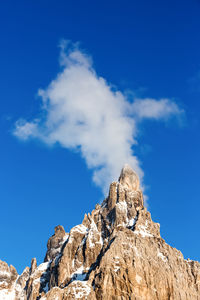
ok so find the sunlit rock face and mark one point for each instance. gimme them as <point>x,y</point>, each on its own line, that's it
<point>116,253</point>
<point>129,179</point>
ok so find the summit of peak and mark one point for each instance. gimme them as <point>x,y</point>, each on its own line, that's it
<point>129,178</point>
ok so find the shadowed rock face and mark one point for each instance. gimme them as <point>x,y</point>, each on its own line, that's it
<point>116,253</point>
<point>55,243</point>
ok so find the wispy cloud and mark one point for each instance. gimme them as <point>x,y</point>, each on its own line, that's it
<point>81,110</point>
<point>162,109</point>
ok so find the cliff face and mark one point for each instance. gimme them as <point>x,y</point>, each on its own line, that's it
<point>116,253</point>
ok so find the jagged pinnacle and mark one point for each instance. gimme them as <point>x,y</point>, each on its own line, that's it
<point>129,178</point>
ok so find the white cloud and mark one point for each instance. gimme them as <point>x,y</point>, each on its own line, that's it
<point>82,111</point>
<point>155,109</point>
<point>24,129</point>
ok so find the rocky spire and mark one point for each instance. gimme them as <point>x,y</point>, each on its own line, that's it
<point>55,243</point>
<point>129,179</point>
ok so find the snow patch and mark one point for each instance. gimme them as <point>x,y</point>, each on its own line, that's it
<point>80,228</point>
<point>79,274</point>
<point>93,235</point>
<point>138,278</point>
<point>160,255</point>
<point>4,273</point>
<point>92,232</point>
<point>122,206</point>
<point>7,294</point>
<point>65,238</point>
<point>93,226</point>
<point>143,231</point>
<point>43,267</point>
<point>132,222</point>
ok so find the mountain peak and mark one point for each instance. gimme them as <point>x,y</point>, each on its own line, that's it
<point>116,253</point>
<point>129,179</point>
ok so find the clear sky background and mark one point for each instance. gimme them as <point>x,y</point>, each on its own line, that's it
<point>145,49</point>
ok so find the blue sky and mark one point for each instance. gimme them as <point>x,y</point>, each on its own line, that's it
<point>144,50</point>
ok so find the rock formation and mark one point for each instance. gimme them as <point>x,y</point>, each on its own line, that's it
<point>115,254</point>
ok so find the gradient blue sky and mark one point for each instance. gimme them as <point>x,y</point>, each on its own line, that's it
<point>151,48</point>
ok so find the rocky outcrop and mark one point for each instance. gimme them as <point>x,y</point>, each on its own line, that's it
<point>12,286</point>
<point>55,243</point>
<point>116,253</point>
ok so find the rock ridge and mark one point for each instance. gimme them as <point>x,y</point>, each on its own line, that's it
<point>116,253</point>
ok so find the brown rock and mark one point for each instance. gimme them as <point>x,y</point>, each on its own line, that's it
<point>129,179</point>
<point>55,243</point>
<point>8,275</point>
<point>115,254</point>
